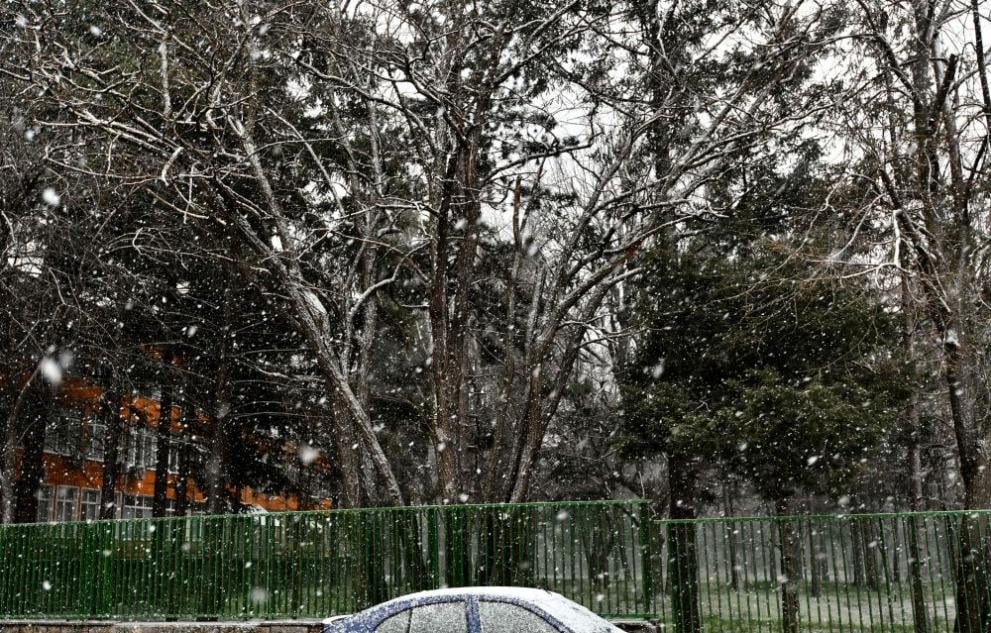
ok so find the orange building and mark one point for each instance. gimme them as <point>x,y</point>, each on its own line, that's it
<point>74,452</point>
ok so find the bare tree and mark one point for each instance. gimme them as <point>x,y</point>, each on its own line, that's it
<point>361,151</point>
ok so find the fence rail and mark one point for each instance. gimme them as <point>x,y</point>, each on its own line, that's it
<point>924,572</point>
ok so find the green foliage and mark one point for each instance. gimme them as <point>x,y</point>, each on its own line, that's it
<point>750,360</point>
<point>806,436</point>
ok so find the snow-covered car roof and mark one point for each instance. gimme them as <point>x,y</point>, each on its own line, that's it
<point>570,614</point>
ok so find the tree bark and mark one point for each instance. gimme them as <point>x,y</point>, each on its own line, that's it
<point>683,573</point>
<point>217,452</point>
<point>185,464</point>
<point>32,459</point>
<point>972,575</point>
<point>164,435</point>
<point>111,410</point>
<point>348,454</point>
<point>787,542</point>
<point>915,525</point>
<point>815,554</point>
<point>729,491</point>
<point>869,541</point>
<point>444,424</point>
<point>8,474</point>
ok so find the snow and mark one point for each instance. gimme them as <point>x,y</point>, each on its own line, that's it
<point>50,197</point>
<point>658,369</point>
<point>51,371</point>
<point>573,616</point>
<point>951,339</point>
<point>308,454</point>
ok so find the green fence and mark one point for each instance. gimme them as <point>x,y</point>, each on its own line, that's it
<point>885,572</point>
<point>923,572</point>
<point>316,564</point>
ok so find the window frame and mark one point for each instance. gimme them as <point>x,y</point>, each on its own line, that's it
<point>96,439</point>
<point>89,493</point>
<point>46,490</point>
<point>471,618</point>
<point>141,503</point>
<point>59,503</point>
<point>549,620</point>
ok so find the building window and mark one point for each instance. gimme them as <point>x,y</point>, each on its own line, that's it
<point>96,440</point>
<point>174,457</point>
<point>63,434</point>
<point>136,507</point>
<point>89,505</point>
<point>65,503</point>
<point>141,445</point>
<point>44,504</point>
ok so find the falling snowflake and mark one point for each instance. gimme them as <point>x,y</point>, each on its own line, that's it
<point>308,454</point>
<point>51,370</point>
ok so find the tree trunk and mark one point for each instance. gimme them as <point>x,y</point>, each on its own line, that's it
<point>857,553</point>
<point>348,454</point>
<point>683,573</point>
<point>111,410</point>
<point>729,491</point>
<point>971,547</point>
<point>915,525</point>
<point>217,452</point>
<point>972,575</point>
<point>493,488</point>
<point>787,542</point>
<point>8,468</point>
<point>869,541</point>
<point>160,499</point>
<point>182,481</point>
<point>8,474</point>
<point>444,423</point>
<point>32,459</point>
<point>185,461</point>
<point>815,568</point>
